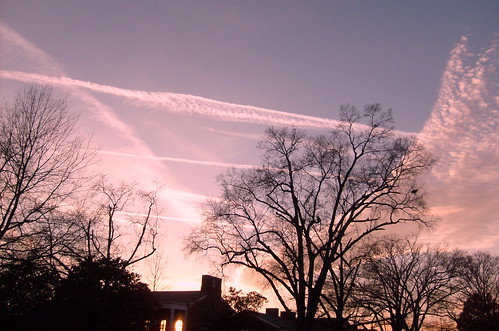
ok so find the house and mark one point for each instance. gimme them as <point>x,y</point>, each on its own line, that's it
<point>202,310</point>
<point>286,321</point>
<point>268,321</point>
<point>205,310</point>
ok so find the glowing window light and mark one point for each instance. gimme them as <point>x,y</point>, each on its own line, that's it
<point>162,325</point>
<point>178,325</point>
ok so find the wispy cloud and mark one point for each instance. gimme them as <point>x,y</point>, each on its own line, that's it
<point>181,160</point>
<point>15,46</point>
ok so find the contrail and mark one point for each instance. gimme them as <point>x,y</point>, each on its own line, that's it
<point>181,160</point>
<point>197,162</point>
<point>185,103</point>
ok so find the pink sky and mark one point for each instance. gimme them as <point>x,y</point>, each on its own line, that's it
<point>184,129</point>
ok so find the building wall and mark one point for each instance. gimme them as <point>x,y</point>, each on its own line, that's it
<point>208,314</point>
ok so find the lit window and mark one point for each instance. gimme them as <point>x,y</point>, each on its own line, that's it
<point>162,325</point>
<point>178,325</point>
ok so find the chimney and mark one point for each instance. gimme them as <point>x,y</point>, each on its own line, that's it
<point>272,312</point>
<point>212,286</point>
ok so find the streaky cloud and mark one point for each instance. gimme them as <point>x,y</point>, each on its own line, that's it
<point>16,46</point>
<point>181,160</point>
<point>185,103</point>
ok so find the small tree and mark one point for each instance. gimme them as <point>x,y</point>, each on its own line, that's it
<point>99,222</point>
<point>403,283</point>
<point>156,267</point>
<point>478,274</point>
<point>311,201</point>
<point>251,301</point>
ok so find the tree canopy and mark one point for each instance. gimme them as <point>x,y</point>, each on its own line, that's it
<point>251,301</point>
<point>313,199</point>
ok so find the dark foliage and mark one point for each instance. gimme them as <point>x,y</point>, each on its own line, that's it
<point>102,295</point>
<point>96,295</point>
<point>251,301</point>
<point>479,314</point>
<point>25,289</point>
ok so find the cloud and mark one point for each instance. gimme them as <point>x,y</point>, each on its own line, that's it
<point>16,47</point>
<point>181,160</point>
<point>185,103</point>
<point>463,132</point>
<point>249,136</point>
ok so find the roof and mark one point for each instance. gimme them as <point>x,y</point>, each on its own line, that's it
<point>276,322</point>
<point>179,297</point>
<point>279,322</point>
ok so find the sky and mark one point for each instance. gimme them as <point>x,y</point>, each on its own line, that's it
<point>175,92</point>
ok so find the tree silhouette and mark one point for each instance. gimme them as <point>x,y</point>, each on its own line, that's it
<point>102,294</point>
<point>479,313</point>
<point>403,283</point>
<point>251,301</point>
<point>311,201</point>
<point>99,218</point>
<point>26,288</point>
<point>41,160</point>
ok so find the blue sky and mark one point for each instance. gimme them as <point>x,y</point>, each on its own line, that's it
<point>144,75</point>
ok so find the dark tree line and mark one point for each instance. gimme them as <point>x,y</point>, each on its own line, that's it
<point>96,294</point>
<point>395,283</point>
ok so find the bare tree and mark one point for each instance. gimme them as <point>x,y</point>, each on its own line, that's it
<point>479,274</point>
<point>478,299</point>
<point>403,283</point>
<point>119,221</point>
<point>41,160</point>
<point>338,297</point>
<point>156,267</point>
<point>311,201</point>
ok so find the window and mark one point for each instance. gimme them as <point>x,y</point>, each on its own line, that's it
<point>179,325</point>
<point>162,325</point>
